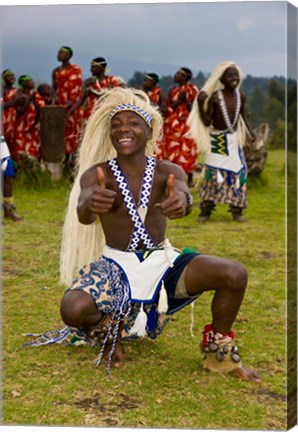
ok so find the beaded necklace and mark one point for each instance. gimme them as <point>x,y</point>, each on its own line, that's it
<point>224,110</point>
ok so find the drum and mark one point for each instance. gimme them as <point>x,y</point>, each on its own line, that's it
<point>52,123</point>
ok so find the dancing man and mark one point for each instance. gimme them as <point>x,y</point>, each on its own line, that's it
<point>132,280</point>
<point>219,126</point>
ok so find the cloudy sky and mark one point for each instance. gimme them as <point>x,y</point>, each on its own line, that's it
<point>152,37</point>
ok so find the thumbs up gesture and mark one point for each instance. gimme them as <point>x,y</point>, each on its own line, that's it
<point>101,177</point>
<point>96,199</point>
<point>175,203</point>
<point>170,185</point>
<point>102,199</point>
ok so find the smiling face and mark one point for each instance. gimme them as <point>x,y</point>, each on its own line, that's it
<point>231,78</point>
<point>129,133</point>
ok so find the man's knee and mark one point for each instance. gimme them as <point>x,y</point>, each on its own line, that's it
<point>236,276</point>
<point>75,305</point>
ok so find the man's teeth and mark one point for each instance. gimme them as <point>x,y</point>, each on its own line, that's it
<point>123,140</point>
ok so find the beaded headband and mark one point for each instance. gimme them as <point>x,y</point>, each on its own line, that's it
<point>101,64</point>
<point>184,72</point>
<point>129,107</point>
<point>67,50</point>
<point>7,73</point>
<point>151,78</point>
<point>22,79</point>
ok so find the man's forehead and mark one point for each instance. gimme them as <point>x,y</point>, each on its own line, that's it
<point>126,107</point>
<point>231,69</point>
<point>127,114</point>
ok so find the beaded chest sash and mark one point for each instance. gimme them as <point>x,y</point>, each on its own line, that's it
<point>139,232</point>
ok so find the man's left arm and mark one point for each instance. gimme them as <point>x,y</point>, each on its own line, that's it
<point>252,134</point>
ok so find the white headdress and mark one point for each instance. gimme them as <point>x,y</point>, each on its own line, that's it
<point>198,131</point>
<point>82,244</point>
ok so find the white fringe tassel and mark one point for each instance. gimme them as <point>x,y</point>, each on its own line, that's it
<point>219,177</point>
<point>163,300</point>
<point>238,182</point>
<point>140,324</point>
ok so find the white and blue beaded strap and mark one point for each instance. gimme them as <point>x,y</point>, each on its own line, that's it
<point>139,232</point>
<point>135,108</point>
<point>224,110</point>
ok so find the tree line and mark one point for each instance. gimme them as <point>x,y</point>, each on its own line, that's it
<point>269,100</point>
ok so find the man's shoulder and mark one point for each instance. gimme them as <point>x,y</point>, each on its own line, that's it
<point>92,168</point>
<point>242,94</point>
<point>75,68</point>
<point>214,98</point>
<point>163,164</point>
<point>172,89</point>
<point>168,167</point>
<point>90,173</point>
<point>192,86</point>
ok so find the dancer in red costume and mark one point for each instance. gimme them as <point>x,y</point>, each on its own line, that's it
<point>93,86</point>
<point>9,101</point>
<point>9,114</point>
<point>67,83</point>
<point>27,136</point>
<point>158,98</point>
<point>180,149</point>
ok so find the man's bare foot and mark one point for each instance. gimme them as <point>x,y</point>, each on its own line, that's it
<point>246,374</point>
<point>118,354</point>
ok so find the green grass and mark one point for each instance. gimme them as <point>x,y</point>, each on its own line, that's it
<point>162,384</point>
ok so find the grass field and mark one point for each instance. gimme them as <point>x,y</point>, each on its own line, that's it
<point>162,384</point>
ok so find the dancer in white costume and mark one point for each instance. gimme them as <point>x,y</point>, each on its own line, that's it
<point>117,221</point>
<point>219,126</point>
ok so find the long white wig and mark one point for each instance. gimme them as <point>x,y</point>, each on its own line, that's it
<point>198,131</point>
<point>82,244</point>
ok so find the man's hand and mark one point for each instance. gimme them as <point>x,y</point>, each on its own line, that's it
<point>202,97</point>
<point>102,199</point>
<point>99,200</point>
<point>175,205</point>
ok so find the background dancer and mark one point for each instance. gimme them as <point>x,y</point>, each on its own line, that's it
<point>180,148</point>
<point>93,86</point>
<point>155,93</point>
<point>9,102</point>
<point>158,98</point>
<point>8,176</point>
<point>67,83</point>
<point>219,126</point>
<point>27,133</point>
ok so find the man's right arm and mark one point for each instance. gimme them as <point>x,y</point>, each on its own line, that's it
<point>81,100</point>
<point>206,116</point>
